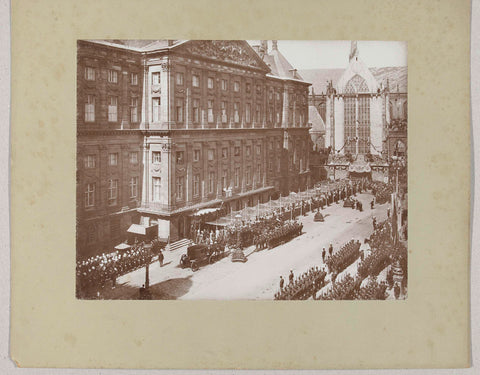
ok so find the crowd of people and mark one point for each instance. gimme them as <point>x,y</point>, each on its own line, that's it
<point>337,262</point>
<point>302,287</point>
<point>381,191</point>
<point>94,272</point>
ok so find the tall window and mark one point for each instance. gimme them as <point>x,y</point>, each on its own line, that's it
<point>248,110</point>
<point>133,187</point>
<point>112,76</point>
<point>236,86</point>
<point>248,88</point>
<point>179,110</point>
<point>112,108</point>
<point>195,81</point>
<point>236,116</point>
<point>113,159</point>
<point>133,157</point>
<point>211,182</point>
<point>258,177</point>
<point>210,82</point>
<point>156,157</point>
<point>90,109</point>
<point>134,79</point>
<point>90,195</point>
<point>237,176</point>
<point>112,192</point>
<point>363,124</point>
<point>196,185</point>
<point>134,110</point>
<point>180,183</point>
<point>349,121</point>
<point>179,78</point>
<point>248,150</point>
<point>196,155</point>
<point>224,111</point>
<point>257,114</point>
<point>224,179</point>
<point>156,181</point>
<point>224,152</point>
<point>249,175</point>
<point>210,111</point>
<point>155,78</point>
<point>236,151</point>
<point>211,154</point>
<point>196,110</point>
<point>90,161</point>
<point>179,157</point>
<point>89,73</point>
<point>258,149</point>
<point>156,109</point>
<point>224,84</point>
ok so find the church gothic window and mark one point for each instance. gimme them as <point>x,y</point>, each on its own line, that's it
<point>357,117</point>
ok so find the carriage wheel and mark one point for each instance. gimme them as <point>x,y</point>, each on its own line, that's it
<point>194,266</point>
<point>182,261</point>
<point>212,259</point>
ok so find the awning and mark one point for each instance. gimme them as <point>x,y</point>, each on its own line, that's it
<point>205,211</point>
<point>122,246</point>
<point>137,229</point>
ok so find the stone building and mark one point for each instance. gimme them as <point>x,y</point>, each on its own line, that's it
<point>168,128</point>
<point>365,115</point>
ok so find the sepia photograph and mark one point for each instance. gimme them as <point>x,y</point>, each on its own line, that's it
<point>241,170</point>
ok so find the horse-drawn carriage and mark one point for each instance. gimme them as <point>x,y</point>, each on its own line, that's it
<point>200,254</point>
<point>349,202</point>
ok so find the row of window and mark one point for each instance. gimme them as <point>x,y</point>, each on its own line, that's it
<point>90,161</point>
<point>112,75</point>
<point>112,192</point>
<point>180,182</point>
<point>112,109</point>
<point>179,111</point>
<point>224,112</point>
<point>179,80</point>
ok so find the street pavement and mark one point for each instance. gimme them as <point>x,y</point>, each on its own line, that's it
<point>258,278</point>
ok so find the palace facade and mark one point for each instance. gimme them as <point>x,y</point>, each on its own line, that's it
<point>168,128</point>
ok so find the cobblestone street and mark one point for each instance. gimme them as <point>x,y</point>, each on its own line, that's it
<point>258,278</point>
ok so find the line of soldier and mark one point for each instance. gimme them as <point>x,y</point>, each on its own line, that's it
<point>279,235</point>
<point>302,288</point>
<point>96,271</point>
<point>344,257</point>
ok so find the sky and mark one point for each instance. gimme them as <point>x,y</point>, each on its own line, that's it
<point>317,54</point>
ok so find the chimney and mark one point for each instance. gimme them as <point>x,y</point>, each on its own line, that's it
<point>274,45</point>
<point>170,42</point>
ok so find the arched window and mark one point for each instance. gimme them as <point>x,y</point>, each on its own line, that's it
<point>400,148</point>
<point>357,116</point>
<point>355,85</point>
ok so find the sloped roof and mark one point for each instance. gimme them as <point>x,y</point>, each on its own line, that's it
<point>138,45</point>
<point>280,66</point>
<point>319,77</point>
<point>315,119</point>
